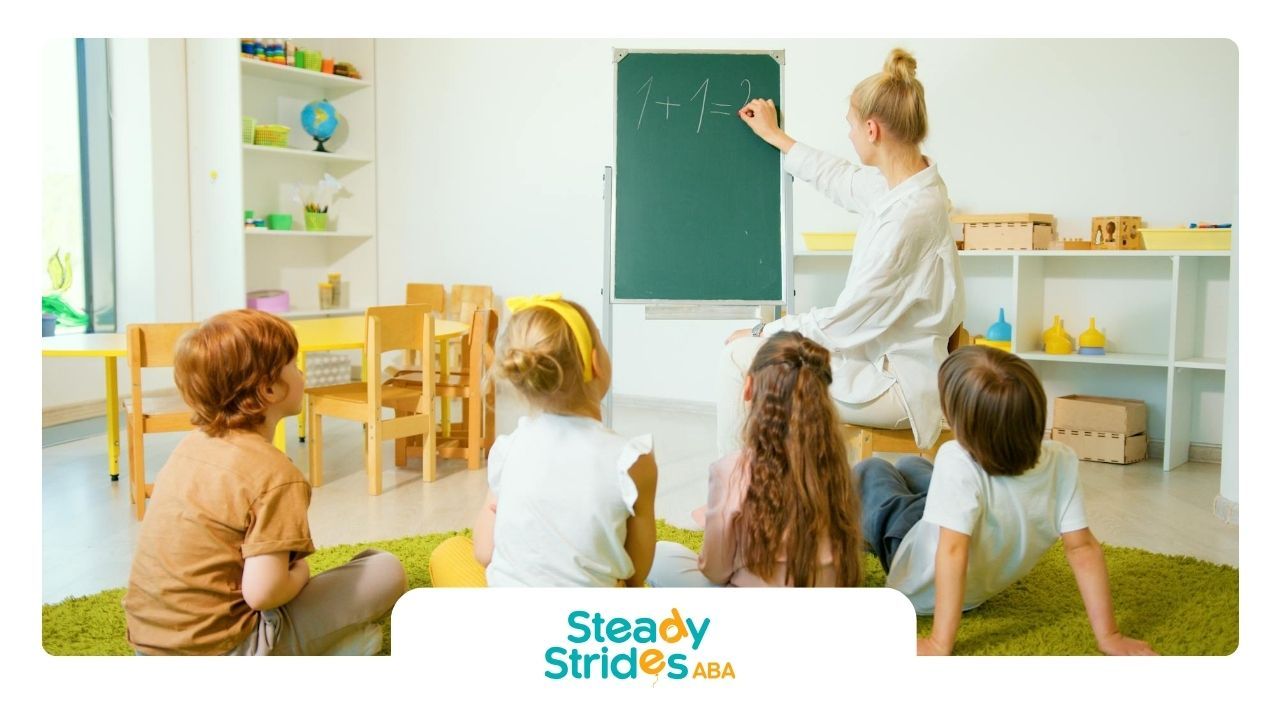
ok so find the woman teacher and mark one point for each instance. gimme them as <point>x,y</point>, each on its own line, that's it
<point>903,297</point>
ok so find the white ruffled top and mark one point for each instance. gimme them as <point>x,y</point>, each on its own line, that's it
<point>564,497</point>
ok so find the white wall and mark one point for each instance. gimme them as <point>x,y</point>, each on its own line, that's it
<point>491,152</point>
<point>152,226</point>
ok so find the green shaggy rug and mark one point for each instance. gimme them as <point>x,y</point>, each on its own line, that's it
<point>1182,606</point>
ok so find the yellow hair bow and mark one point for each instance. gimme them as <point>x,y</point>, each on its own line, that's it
<point>577,323</point>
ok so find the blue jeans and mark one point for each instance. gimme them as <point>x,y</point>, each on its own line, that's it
<point>893,498</point>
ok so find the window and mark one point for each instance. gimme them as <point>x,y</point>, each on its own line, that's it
<point>78,268</point>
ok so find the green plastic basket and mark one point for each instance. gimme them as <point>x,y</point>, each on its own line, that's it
<point>271,135</point>
<point>246,129</point>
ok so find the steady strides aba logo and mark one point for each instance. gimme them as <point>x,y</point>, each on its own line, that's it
<point>600,648</point>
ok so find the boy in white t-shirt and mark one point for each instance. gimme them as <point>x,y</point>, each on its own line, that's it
<point>950,535</point>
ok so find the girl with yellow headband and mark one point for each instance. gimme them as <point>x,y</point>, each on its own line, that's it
<point>570,501</point>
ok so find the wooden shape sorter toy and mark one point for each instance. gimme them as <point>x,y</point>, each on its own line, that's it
<point>1116,232</point>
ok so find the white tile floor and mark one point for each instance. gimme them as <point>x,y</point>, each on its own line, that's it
<point>89,528</point>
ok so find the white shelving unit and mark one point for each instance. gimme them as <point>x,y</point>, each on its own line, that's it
<point>335,84</point>
<point>229,177</point>
<point>318,234</point>
<point>306,155</point>
<point>1164,313</point>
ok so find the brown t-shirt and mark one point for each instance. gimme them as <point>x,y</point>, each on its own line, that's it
<point>216,502</point>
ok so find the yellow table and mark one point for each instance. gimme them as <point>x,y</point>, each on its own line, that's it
<point>107,346</point>
<point>314,335</point>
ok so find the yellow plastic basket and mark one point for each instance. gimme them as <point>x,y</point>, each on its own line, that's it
<point>271,135</point>
<point>1186,238</point>
<point>828,241</point>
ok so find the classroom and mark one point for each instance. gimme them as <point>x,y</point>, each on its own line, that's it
<point>343,184</point>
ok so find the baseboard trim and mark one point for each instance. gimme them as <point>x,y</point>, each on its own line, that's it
<point>647,402</point>
<point>75,412</point>
<point>1226,510</point>
<point>1197,452</point>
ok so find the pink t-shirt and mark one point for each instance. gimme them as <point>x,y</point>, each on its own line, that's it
<point>721,561</point>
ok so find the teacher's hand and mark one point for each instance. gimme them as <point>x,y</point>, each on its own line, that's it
<point>762,117</point>
<point>738,335</point>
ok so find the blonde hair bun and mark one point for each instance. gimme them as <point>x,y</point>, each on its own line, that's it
<point>532,371</point>
<point>901,65</point>
<point>895,98</point>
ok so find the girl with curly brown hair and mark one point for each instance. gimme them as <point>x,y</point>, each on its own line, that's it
<point>782,511</point>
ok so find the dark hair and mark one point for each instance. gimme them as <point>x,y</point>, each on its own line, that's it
<point>801,488</point>
<point>996,407</point>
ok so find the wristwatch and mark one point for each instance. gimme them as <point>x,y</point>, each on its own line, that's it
<point>755,331</point>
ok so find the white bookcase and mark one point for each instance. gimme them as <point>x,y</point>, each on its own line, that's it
<point>1164,315</point>
<point>229,177</point>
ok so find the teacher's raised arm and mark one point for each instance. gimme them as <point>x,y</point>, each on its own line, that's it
<point>762,117</point>
<point>888,330</point>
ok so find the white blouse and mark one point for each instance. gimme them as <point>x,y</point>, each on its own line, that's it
<point>903,297</point>
<point>564,494</point>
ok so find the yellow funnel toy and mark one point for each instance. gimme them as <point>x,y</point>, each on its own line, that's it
<point>1092,341</point>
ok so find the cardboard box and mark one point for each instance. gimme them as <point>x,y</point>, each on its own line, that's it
<point>1019,231</point>
<point>1103,446</point>
<point>1101,429</point>
<point>1100,414</point>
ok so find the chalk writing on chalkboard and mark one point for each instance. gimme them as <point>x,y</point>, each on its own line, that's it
<point>704,90</point>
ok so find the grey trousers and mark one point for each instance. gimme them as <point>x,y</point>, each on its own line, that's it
<point>893,499</point>
<point>335,614</point>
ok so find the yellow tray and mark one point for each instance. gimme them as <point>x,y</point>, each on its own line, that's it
<point>828,241</point>
<point>1186,238</point>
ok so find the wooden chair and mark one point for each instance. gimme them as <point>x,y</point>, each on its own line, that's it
<point>151,346</point>
<point>387,329</point>
<point>433,296</point>
<point>866,441</point>
<point>429,294</point>
<point>471,438</point>
<point>464,300</point>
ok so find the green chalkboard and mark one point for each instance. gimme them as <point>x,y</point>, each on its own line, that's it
<point>698,195</point>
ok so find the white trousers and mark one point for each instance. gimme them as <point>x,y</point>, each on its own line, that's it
<point>889,410</point>
<point>675,565</point>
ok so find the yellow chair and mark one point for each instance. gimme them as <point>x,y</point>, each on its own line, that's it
<point>464,300</point>
<point>151,346</point>
<point>387,329</point>
<point>472,438</point>
<point>431,295</point>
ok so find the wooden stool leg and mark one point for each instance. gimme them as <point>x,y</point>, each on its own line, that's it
<point>864,446</point>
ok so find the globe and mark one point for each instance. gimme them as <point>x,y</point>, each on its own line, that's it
<point>320,121</point>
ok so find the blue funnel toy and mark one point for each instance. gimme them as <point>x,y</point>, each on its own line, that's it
<point>1000,331</point>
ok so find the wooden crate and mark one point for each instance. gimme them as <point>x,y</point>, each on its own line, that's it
<point>1014,231</point>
